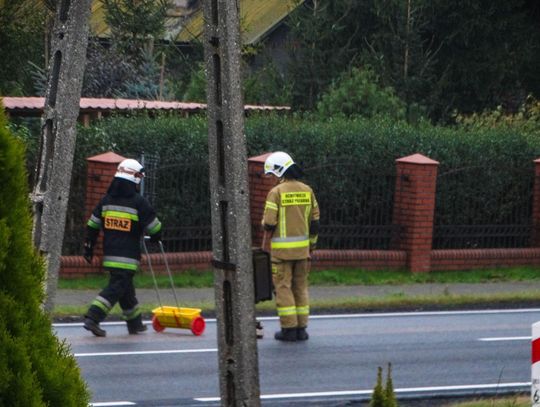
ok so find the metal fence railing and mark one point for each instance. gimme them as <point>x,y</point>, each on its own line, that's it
<point>474,208</point>
<point>356,206</point>
<point>478,208</point>
<point>75,223</point>
<point>180,194</point>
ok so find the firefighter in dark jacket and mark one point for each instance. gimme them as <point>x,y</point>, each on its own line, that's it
<point>291,220</point>
<point>124,216</point>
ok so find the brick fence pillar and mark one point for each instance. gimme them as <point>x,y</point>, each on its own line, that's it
<point>259,186</point>
<point>535,238</point>
<point>99,174</point>
<point>414,207</point>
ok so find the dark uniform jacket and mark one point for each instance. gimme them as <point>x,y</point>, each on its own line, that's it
<point>124,216</point>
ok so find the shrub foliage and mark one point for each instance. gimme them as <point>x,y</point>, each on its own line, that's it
<point>37,369</point>
<point>489,165</point>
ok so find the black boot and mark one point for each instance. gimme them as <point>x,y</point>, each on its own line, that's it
<point>286,334</point>
<point>301,334</point>
<point>138,329</point>
<point>136,326</point>
<point>93,326</point>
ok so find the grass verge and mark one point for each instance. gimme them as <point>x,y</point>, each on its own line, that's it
<point>343,277</point>
<point>512,401</point>
<point>395,302</point>
<point>199,279</point>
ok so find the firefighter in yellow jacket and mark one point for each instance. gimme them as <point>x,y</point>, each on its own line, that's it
<point>291,223</point>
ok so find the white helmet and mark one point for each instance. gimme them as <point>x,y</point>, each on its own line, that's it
<point>131,170</point>
<point>277,163</point>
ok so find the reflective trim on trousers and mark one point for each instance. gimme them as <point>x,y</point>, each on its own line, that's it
<point>131,313</point>
<point>102,304</point>
<point>302,310</point>
<point>284,311</point>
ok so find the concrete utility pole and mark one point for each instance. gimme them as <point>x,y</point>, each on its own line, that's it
<point>58,130</point>
<point>235,305</point>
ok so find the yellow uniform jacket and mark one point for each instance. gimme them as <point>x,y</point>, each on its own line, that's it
<point>290,208</point>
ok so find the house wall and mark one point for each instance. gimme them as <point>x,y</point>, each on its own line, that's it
<point>276,48</point>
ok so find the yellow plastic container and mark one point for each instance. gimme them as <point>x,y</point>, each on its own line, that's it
<point>175,317</point>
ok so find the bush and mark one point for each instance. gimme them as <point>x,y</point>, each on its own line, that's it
<point>485,172</point>
<point>383,396</point>
<point>526,120</point>
<point>378,396</point>
<point>357,93</point>
<point>37,369</point>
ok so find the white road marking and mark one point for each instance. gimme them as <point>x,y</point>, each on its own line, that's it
<point>368,392</point>
<point>426,313</point>
<point>146,352</point>
<point>507,338</point>
<point>515,385</point>
<point>332,316</point>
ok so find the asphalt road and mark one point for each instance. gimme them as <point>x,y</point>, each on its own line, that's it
<point>432,354</point>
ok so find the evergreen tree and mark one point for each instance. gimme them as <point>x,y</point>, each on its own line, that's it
<point>22,33</point>
<point>390,397</point>
<point>358,93</point>
<point>107,71</point>
<point>378,396</point>
<point>439,56</point>
<point>146,83</point>
<point>487,48</point>
<point>127,65</point>
<point>400,53</point>
<point>135,25</point>
<point>37,369</point>
<point>326,35</point>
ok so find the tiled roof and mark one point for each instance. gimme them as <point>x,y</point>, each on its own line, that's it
<point>184,20</point>
<point>36,104</point>
<point>257,17</point>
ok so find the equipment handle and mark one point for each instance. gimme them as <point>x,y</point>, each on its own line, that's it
<point>168,272</point>
<point>151,269</point>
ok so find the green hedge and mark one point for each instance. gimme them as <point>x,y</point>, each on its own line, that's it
<point>369,147</point>
<point>374,144</point>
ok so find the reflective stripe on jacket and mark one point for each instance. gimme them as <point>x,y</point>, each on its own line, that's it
<point>123,220</point>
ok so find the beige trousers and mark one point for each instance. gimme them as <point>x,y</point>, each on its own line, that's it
<point>290,279</point>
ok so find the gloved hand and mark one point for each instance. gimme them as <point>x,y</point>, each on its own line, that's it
<point>155,237</point>
<point>88,251</point>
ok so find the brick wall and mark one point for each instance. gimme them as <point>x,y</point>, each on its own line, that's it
<point>259,186</point>
<point>483,258</point>
<point>414,208</point>
<point>99,174</point>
